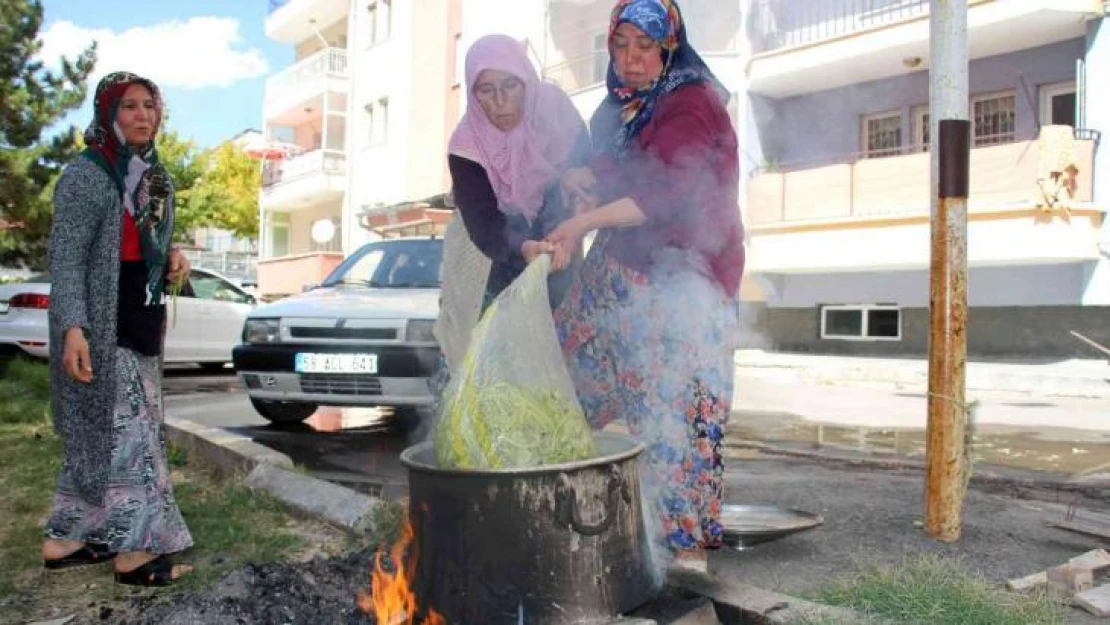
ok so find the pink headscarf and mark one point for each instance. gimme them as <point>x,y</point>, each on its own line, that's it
<point>520,163</point>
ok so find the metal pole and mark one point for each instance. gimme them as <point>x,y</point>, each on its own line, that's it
<point>945,464</point>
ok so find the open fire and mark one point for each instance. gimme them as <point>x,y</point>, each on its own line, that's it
<point>391,600</point>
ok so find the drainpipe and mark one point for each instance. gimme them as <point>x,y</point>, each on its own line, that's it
<point>946,461</point>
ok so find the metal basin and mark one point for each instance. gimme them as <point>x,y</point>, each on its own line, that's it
<point>548,545</point>
<point>748,525</point>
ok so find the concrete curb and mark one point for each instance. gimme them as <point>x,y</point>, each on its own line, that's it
<point>757,605</point>
<point>269,471</point>
<point>1095,488</point>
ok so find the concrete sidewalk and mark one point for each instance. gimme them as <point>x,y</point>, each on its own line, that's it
<point>872,406</point>
<point>1074,378</point>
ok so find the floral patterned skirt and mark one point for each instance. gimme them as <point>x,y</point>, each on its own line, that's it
<point>656,351</point>
<point>139,512</point>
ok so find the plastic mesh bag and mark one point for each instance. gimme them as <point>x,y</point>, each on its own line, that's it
<point>512,403</point>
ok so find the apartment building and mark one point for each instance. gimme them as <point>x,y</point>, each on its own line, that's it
<point>837,126</point>
<point>363,113</point>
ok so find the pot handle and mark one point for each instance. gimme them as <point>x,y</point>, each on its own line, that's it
<point>566,503</point>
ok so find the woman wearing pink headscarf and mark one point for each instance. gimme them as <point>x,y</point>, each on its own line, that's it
<point>507,155</point>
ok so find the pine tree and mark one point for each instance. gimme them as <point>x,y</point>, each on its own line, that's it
<point>32,99</point>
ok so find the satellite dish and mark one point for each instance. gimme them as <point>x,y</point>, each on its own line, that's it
<point>323,230</point>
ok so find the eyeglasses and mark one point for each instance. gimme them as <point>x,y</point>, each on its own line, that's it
<point>505,88</point>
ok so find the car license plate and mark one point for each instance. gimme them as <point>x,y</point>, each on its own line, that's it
<point>337,363</point>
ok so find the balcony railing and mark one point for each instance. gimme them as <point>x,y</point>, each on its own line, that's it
<point>855,188</point>
<point>776,25</point>
<point>327,62</point>
<point>330,162</point>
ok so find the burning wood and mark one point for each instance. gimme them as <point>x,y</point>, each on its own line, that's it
<point>391,600</point>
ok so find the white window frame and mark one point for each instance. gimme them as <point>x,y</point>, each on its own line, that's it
<point>1049,91</point>
<point>982,97</point>
<point>460,61</point>
<point>864,310</point>
<point>599,45</point>
<point>919,129</point>
<point>865,120</point>
<point>379,22</point>
<point>377,118</point>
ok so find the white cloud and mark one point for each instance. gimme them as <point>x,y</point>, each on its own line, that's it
<point>198,53</point>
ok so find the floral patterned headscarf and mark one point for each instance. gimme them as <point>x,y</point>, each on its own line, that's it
<point>145,186</point>
<point>662,21</point>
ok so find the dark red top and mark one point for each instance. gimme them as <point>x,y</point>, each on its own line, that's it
<point>130,248</point>
<point>683,171</point>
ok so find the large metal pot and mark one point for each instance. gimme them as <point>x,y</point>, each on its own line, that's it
<point>551,545</point>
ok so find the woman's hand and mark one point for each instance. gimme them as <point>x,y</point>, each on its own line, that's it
<point>566,238</point>
<point>578,187</point>
<point>530,250</point>
<point>75,356</point>
<point>179,267</point>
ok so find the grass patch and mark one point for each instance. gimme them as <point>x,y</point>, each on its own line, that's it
<point>230,524</point>
<point>938,591</point>
<point>25,389</point>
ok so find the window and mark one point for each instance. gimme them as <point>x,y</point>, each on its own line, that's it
<point>921,128</point>
<point>378,21</point>
<point>460,61</point>
<point>993,118</point>
<point>377,122</point>
<point>1058,104</point>
<point>600,57</point>
<point>209,287</point>
<point>882,134</point>
<point>861,323</point>
<point>279,235</point>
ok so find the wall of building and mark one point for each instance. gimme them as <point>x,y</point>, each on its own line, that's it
<point>825,126</point>
<point>427,160</point>
<point>993,332</point>
<point>1097,86</point>
<point>1044,285</point>
<point>300,225</point>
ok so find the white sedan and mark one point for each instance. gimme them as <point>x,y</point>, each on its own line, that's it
<point>204,326</point>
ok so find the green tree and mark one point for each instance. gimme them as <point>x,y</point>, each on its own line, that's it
<point>186,164</point>
<point>226,194</point>
<point>32,99</point>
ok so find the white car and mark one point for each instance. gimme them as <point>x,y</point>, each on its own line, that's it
<point>204,324</point>
<point>361,338</point>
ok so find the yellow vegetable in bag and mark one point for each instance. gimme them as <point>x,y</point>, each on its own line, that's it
<point>512,403</point>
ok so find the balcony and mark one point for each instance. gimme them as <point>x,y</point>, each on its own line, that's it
<point>874,213</point>
<point>306,82</point>
<point>288,275</point>
<point>293,21</point>
<point>805,47</point>
<point>317,177</point>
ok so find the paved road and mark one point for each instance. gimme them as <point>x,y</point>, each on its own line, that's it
<point>356,447</point>
<point>360,447</point>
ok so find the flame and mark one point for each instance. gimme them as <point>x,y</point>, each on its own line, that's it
<point>391,599</point>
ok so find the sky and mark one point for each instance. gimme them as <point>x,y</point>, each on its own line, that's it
<point>210,57</point>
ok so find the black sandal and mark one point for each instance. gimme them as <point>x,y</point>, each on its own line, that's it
<point>157,572</point>
<point>85,556</point>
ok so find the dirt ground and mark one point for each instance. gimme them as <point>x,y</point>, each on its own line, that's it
<point>871,517</point>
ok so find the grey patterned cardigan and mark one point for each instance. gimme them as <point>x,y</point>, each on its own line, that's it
<point>84,269</point>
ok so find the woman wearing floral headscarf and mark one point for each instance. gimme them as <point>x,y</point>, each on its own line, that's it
<point>111,266</point>
<point>649,326</point>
